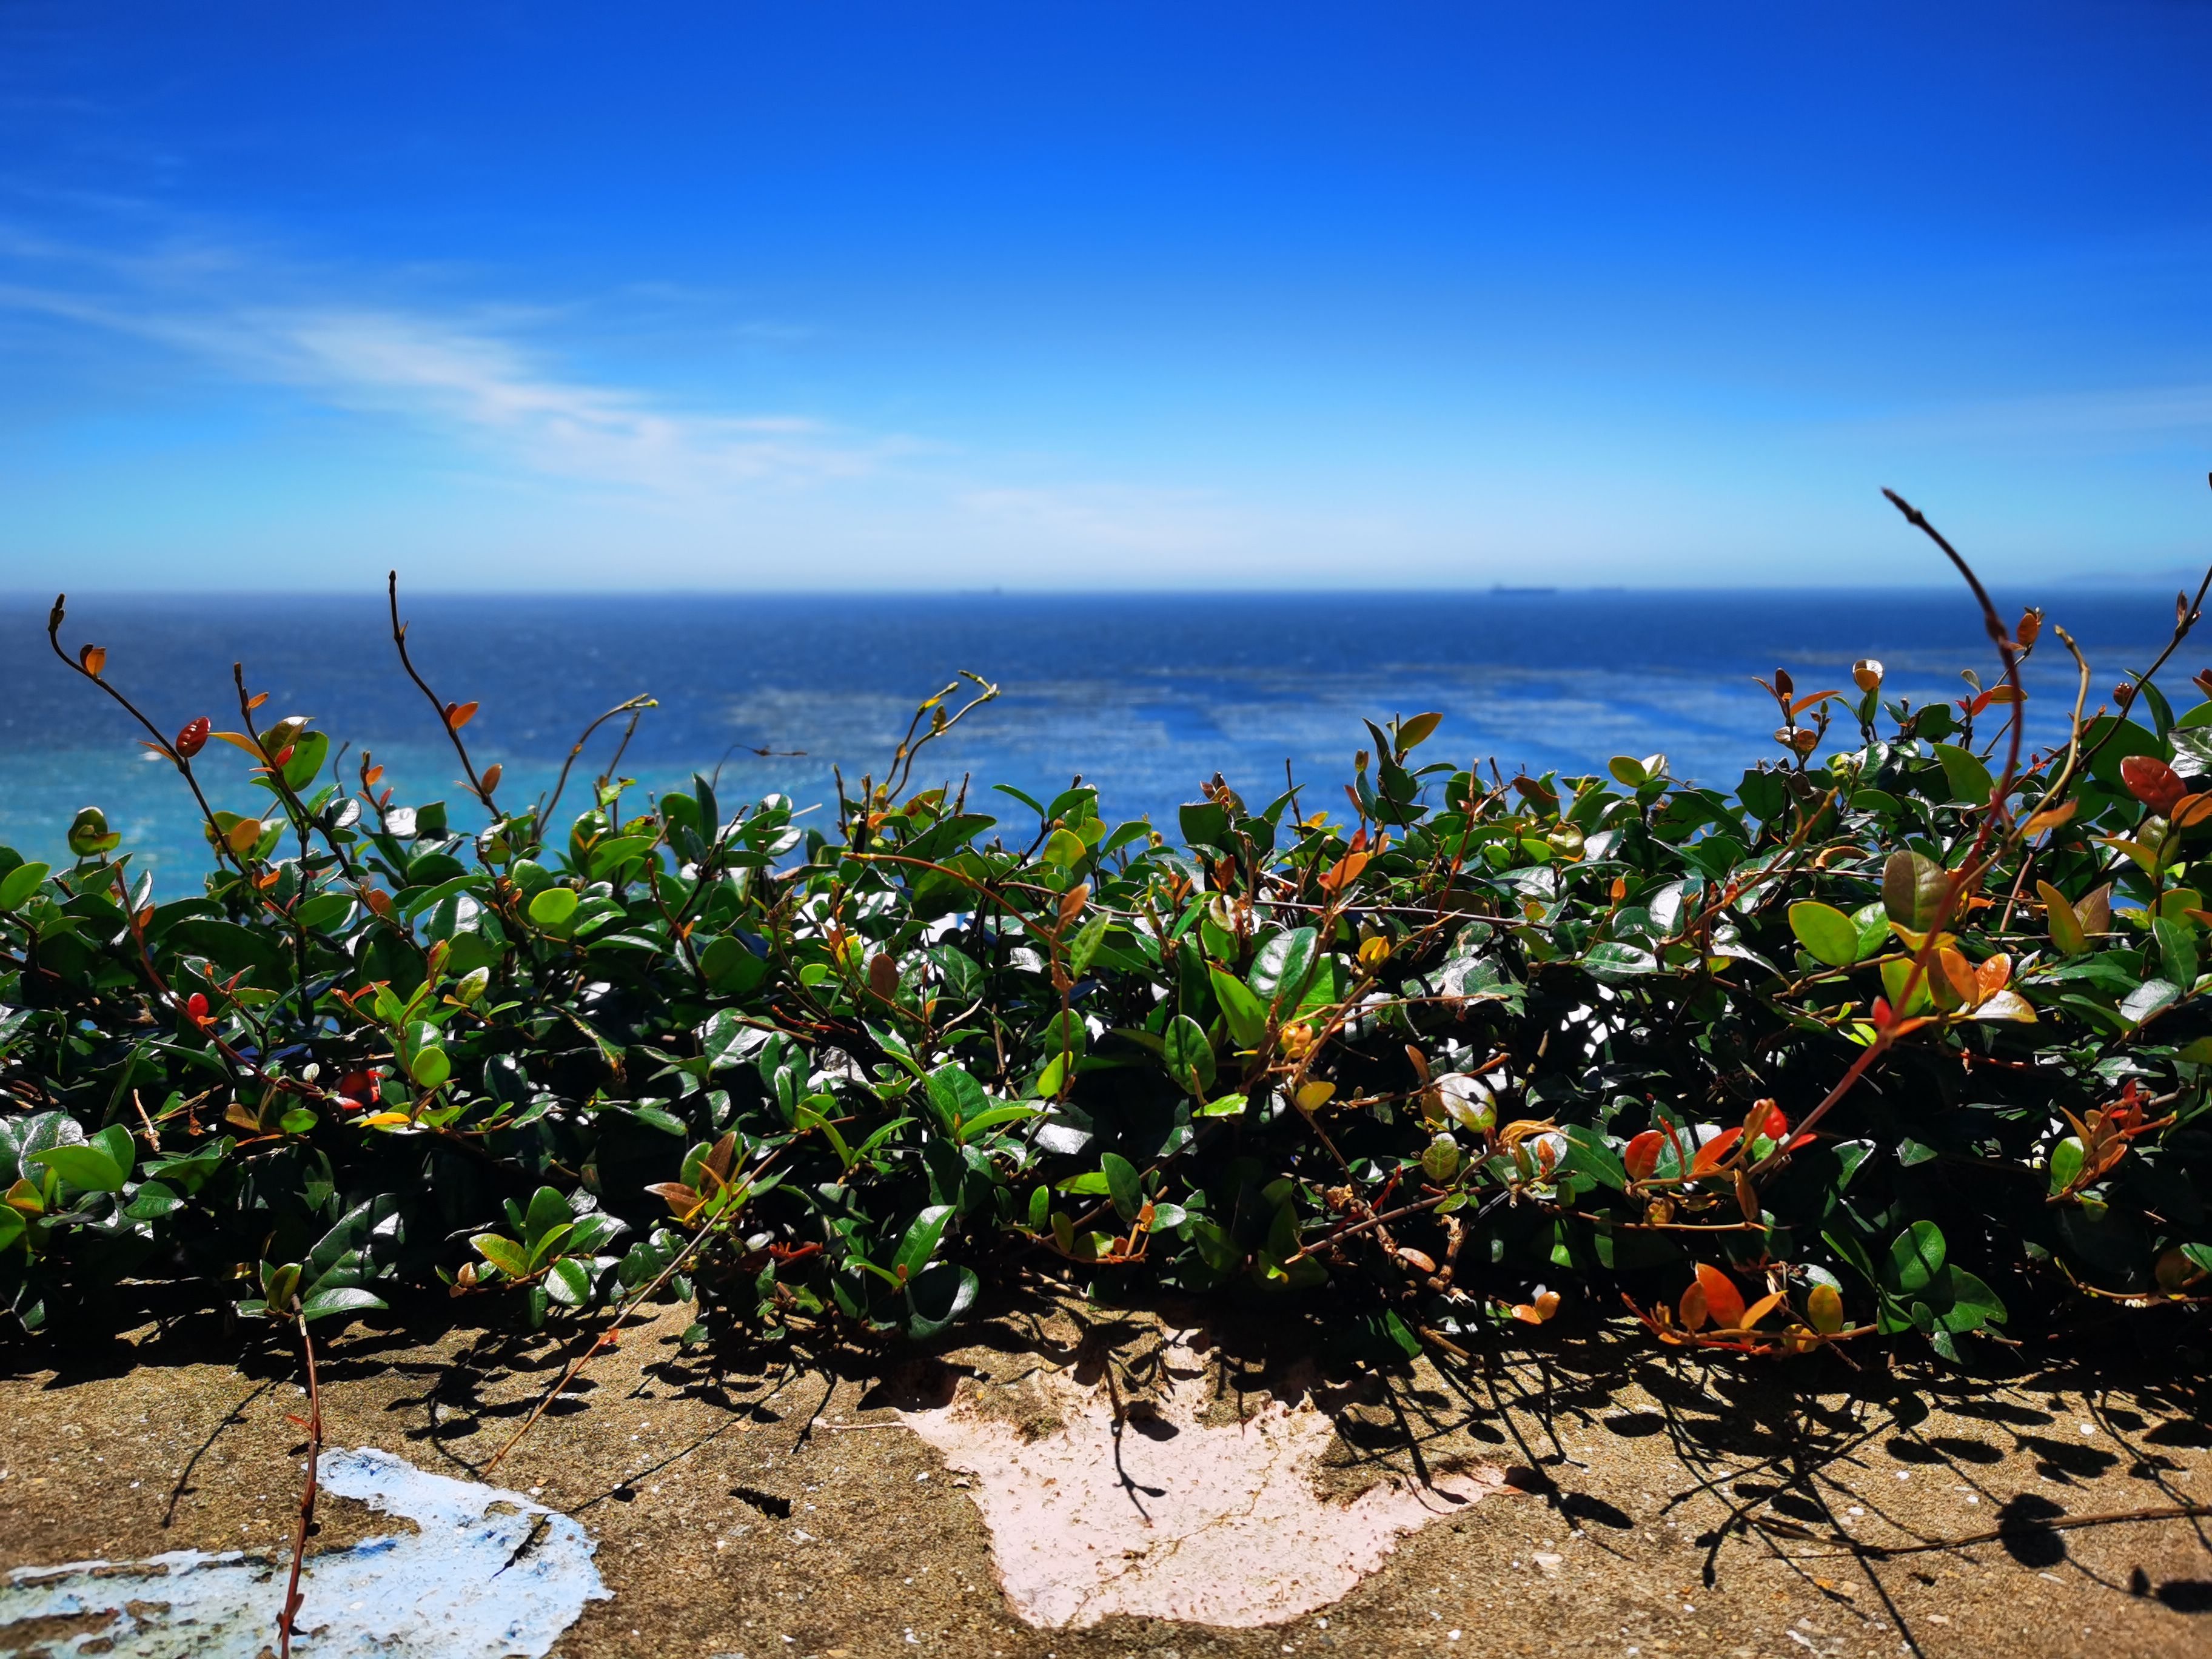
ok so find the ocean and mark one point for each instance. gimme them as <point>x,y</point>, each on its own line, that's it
<point>1146,695</point>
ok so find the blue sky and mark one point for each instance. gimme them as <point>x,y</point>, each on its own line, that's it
<point>1081,295</point>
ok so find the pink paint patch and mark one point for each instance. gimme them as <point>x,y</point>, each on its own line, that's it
<point>1207,1524</point>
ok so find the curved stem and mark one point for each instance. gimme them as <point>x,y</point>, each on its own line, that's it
<point>399,638</point>
<point>162,745</point>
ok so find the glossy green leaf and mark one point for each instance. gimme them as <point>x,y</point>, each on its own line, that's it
<point>1121,1182</point>
<point>87,1167</point>
<point>502,1253</point>
<point>342,1299</point>
<point>1916,1256</point>
<point>1188,1055</point>
<point>1246,1014</point>
<point>919,1243</point>
<point>1826,932</point>
<point>19,885</point>
<point>1970,780</point>
<point>554,907</point>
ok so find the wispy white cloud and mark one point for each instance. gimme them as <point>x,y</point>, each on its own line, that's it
<point>472,376</point>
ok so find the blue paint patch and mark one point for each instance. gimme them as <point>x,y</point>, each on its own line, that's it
<point>486,1574</point>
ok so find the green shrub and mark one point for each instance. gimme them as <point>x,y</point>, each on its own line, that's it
<point>1845,1051</point>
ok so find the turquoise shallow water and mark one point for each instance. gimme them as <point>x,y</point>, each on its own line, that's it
<point>1144,694</point>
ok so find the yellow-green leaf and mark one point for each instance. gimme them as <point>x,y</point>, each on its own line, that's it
<point>2065,927</point>
<point>1830,936</point>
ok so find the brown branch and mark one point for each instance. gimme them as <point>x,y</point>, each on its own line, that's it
<point>399,638</point>
<point>306,1496</point>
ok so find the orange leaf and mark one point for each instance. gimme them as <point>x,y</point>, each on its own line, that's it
<point>1346,870</point>
<point>1723,1300</point>
<point>681,1198</point>
<point>255,701</point>
<point>1747,1197</point>
<point>1808,700</point>
<point>1760,1309</point>
<point>1958,975</point>
<point>459,714</point>
<point>92,658</point>
<point>1541,1309</point>
<point>239,740</point>
<point>2191,809</point>
<point>1992,976</point>
<point>1692,1306</point>
<point>1710,1154</point>
<point>884,974</point>
<point>491,775</point>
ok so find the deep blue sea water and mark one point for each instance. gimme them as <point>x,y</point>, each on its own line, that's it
<point>1144,694</point>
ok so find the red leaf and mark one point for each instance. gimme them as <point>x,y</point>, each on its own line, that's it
<point>2153,782</point>
<point>193,738</point>
<point>1642,1156</point>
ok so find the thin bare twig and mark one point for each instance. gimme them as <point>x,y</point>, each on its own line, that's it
<point>545,811</point>
<point>445,710</point>
<point>161,744</point>
<point>306,1496</point>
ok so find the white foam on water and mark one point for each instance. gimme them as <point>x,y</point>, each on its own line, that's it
<point>467,1583</point>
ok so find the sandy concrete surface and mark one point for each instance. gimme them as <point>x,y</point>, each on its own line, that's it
<point>1651,1504</point>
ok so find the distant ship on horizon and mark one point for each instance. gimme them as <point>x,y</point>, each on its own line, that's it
<point>1502,592</point>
